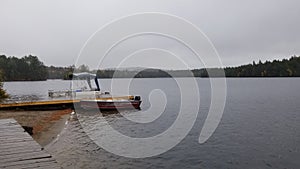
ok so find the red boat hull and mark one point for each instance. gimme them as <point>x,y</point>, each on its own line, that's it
<point>110,105</point>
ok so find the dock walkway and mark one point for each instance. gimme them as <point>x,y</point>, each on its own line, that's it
<point>40,105</point>
<point>19,150</point>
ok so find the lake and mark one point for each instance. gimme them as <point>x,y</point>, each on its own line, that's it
<point>259,128</point>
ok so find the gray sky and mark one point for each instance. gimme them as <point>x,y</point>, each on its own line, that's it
<point>241,30</point>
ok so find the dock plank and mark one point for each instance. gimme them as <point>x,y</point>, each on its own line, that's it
<point>29,163</point>
<point>24,156</point>
<point>19,150</point>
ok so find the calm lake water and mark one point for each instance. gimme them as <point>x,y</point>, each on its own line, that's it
<point>259,128</point>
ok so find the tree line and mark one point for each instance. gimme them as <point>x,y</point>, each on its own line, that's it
<point>60,72</point>
<point>284,68</point>
<point>27,68</point>
<point>30,68</point>
<point>276,68</point>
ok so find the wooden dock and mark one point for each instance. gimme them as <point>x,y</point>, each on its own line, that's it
<point>39,105</point>
<point>19,150</point>
<point>53,104</point>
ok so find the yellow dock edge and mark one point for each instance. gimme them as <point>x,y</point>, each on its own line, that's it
<point>38,103</point>
<point>55,102</point>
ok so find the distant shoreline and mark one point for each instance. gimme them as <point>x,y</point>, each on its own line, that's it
<point>39,72</point>
<point>259,77</point>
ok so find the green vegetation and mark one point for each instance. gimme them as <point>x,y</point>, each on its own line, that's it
<point>146,73</point>
<point>285,68</point>
<point>60,72</point>
<point>25,68</point>
<point>30,68</point>
<point>3,94</point>
<point>66,72</point>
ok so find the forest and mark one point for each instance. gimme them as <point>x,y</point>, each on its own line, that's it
<point>276,68</point>
<point>284,68</point>
<point>27,68</point>
<point>30,68</point>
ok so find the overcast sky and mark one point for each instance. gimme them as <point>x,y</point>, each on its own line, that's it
<point>241,30</point>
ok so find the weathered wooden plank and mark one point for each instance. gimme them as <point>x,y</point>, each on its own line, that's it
<point>17,135</point>
<point>41,152</point>
<point>13,144</point>
<point>14,134</point>
<point>9,130</point>
<point>19,150</point>
<point>5,130</point>
<point>10,127</point>
<point>12,137</point>
<point>24,156</point>
<point>48,167</point>
<point>3,121</point>
<point>2,149</point>
<point>22,134</point>
<point>43,165</point>
<point>28,162</point>
<point>14,140</point>
<point>8,123</point>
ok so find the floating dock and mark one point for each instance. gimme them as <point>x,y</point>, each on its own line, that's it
<point>54,104</point>
<point>19,150</point>
<point>39,105</point>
